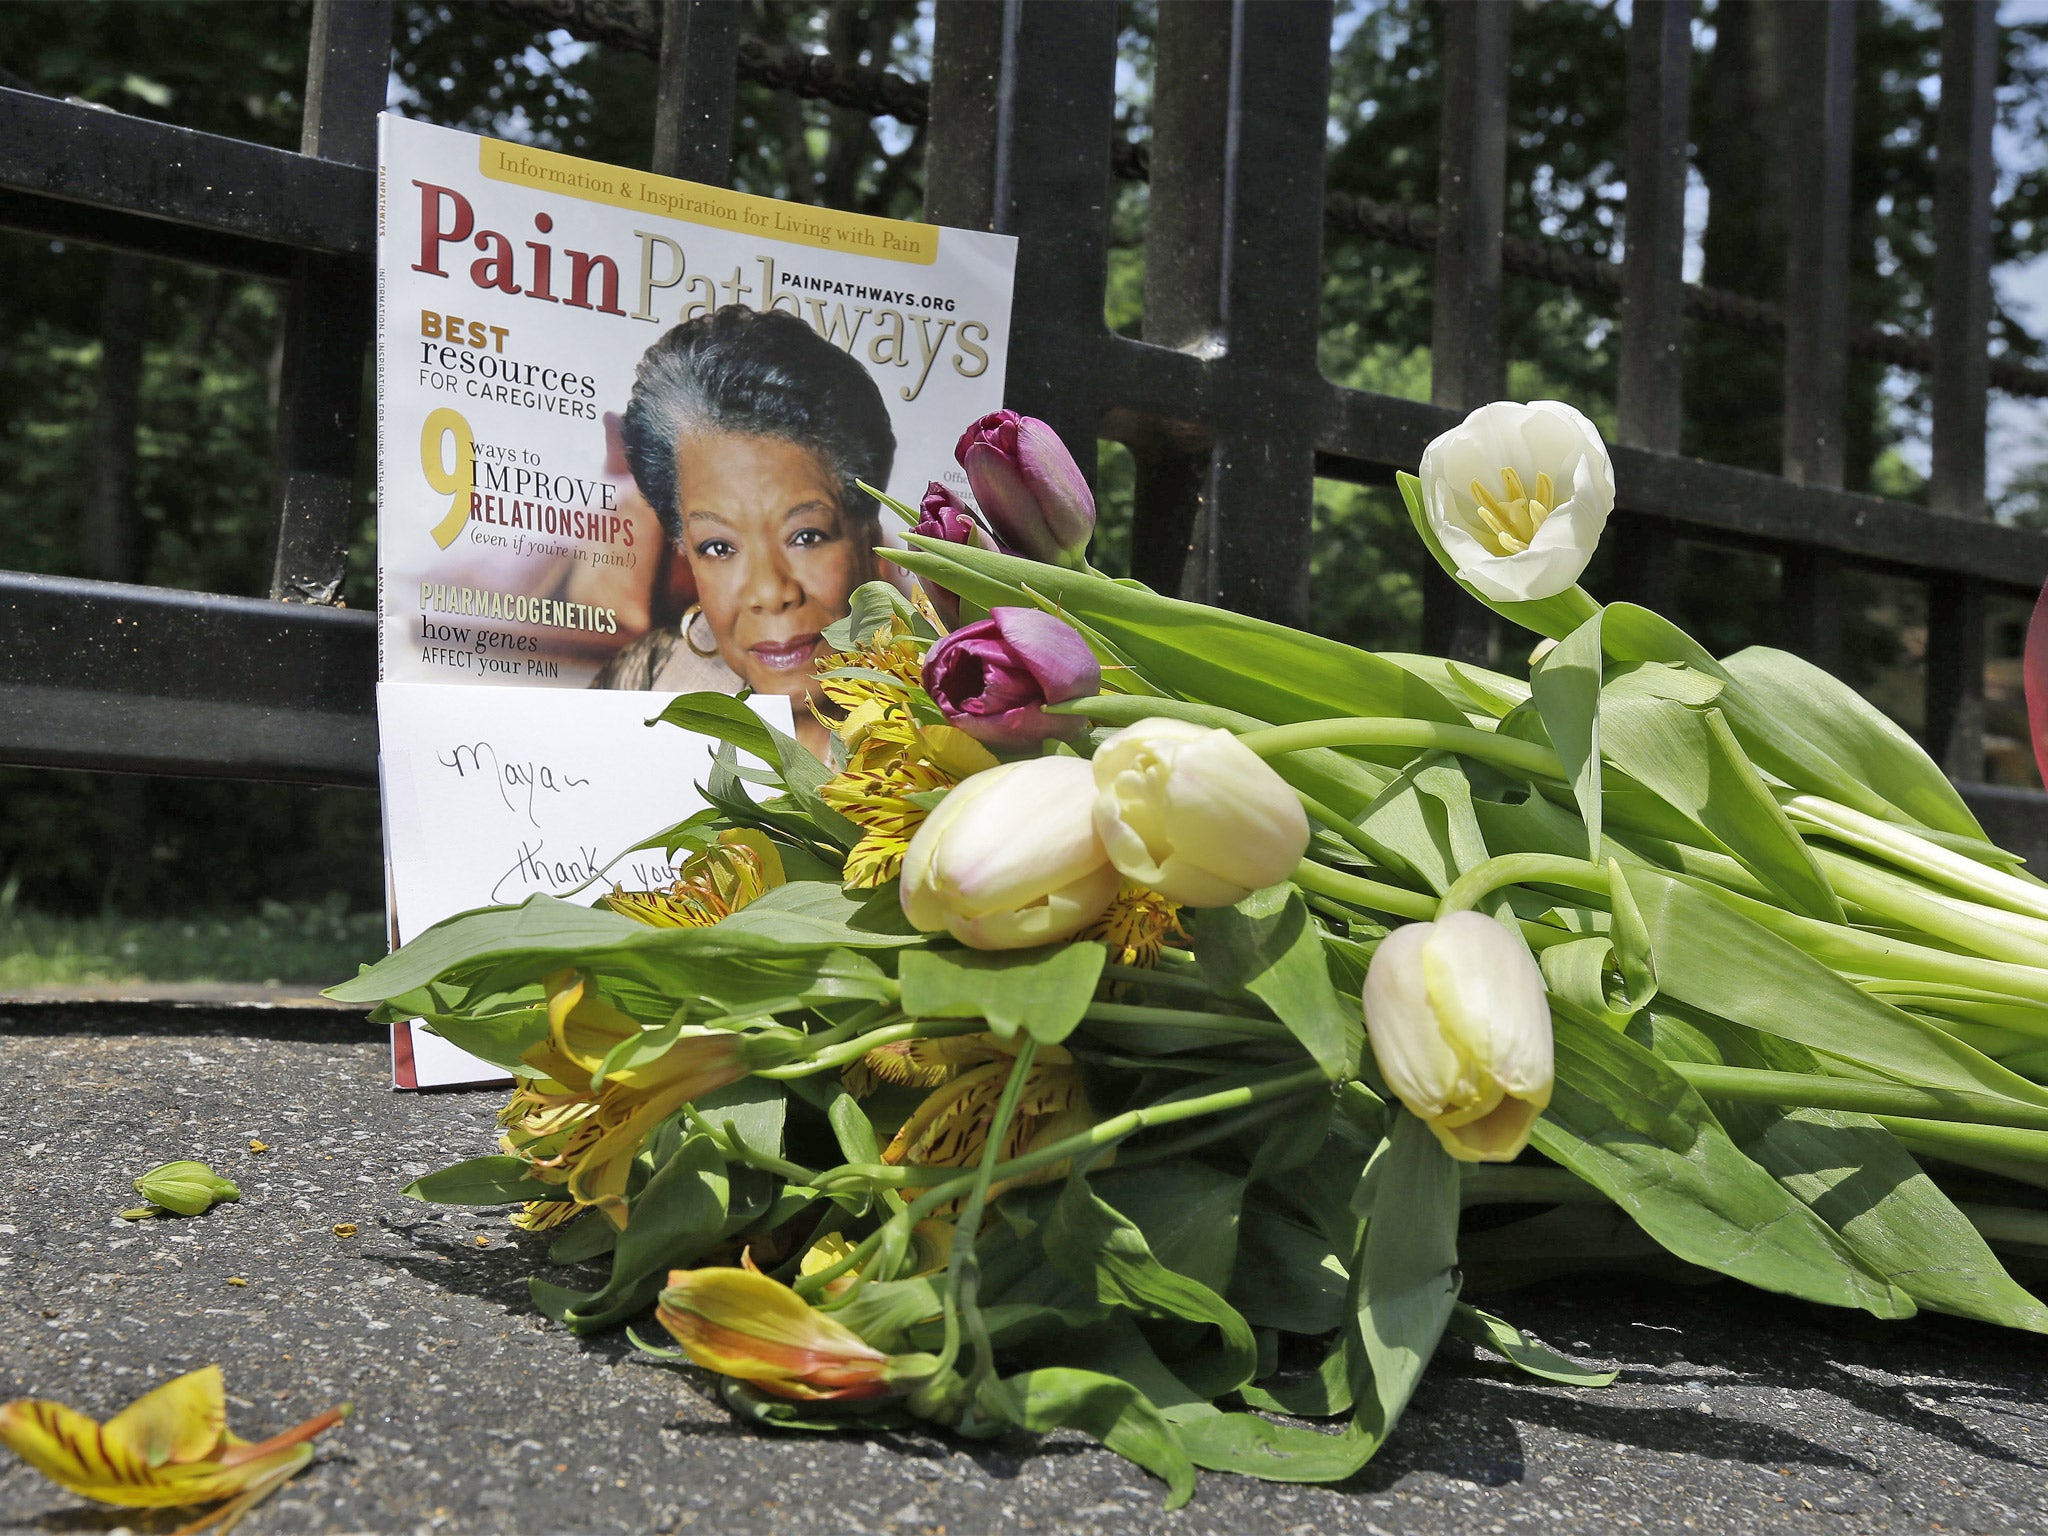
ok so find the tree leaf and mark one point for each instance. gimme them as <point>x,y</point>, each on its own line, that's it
<point>1043,991</point>
<point>1268,947</point>
<point>1632,1128</point>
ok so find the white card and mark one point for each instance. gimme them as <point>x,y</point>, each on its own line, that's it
<point>494,794</point>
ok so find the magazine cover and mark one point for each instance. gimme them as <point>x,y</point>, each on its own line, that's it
<point>622,417</point>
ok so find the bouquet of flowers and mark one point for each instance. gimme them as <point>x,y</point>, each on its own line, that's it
<point>1114,1033</point>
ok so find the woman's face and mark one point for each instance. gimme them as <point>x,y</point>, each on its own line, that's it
<point>774,558</point>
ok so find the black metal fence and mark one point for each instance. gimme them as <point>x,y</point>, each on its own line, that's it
<point>1221,403</point>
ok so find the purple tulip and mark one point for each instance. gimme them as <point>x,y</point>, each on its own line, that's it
<point>994,678</point>
<point>943,515</point>
<point>1029,487</point>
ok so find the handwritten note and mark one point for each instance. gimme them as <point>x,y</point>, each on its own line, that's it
<point>494,794</point>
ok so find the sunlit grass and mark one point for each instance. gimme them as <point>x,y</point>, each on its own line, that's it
<point>278,943</point>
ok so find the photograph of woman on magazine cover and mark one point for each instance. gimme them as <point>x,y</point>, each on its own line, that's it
<point>747,433</point>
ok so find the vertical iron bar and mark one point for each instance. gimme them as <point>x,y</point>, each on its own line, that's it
<point>1256,539</point>
<point>1193,49</point>
<point>1653,258</point>
<point>1058,107</point>
<point>328,316</point>
<point>1964,174</point>
<point>1465,345</point>
<point>693,102</point>
<point>1964,177</point>
<point>1822,40</point>
<point>963,139</point>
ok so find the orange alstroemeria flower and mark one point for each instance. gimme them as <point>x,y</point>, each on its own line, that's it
<point>740,1323</point>
<point>167,1448</point>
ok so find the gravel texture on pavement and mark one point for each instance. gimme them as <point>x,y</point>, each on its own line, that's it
<point>474,1414</point>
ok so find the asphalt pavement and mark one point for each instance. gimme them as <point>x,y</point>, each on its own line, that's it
<point>1733,1411</point>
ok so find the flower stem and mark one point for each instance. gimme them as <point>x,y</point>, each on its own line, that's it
<point>1525,759</point>
<point>1751,1086</point>
<point>1252,1090</point>
<point>1482,880</point>
<point>1358,891</point>
<point>849,1050</point>
<point>963,1269</point>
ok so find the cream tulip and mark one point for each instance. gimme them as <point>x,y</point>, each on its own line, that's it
<point>1518,496</point>
<point>1460,1027</point>
<point>1192,813</point>
<point>1010,858</point>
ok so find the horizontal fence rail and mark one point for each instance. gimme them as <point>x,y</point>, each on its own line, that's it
<point>1221,402</point>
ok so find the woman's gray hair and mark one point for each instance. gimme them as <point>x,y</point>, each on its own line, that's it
<point>759,373</point>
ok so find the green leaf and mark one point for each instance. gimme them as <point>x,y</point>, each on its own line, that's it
<point>1719,961</point>
<point>1424,822</point>
<point>1095,1244</point>
<point>723,718</point>
<point>588,1237</point>
<point>771,948</point>
<point>1267,947</point>
<point>1287,1276</point>
<point>495,1180</point>
<point>1632,1128</point>
<point>1223,658</point>
<point>1408,1270</point>
<point>677,1216</point>
<point>1042,991</point>
<point>1655,729</point>
<point>754,1108</point>
<point>1793,725</point>
<point>1515,1346</point>
<point>1857,1178</point>
<point>1555,617</point>
<point>1853,733</point>
<point>1566,687</point>
<point>1187,1211</point>
<point>1114,1412</point>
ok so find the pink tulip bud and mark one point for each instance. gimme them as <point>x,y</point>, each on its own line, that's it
<point>1029,487</point>
<point>994,678</point>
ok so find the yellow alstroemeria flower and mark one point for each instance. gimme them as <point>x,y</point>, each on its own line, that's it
<point>896,759</point>
<point>951,1127</point>
<point>586,1139</point>
<point>741,1323</point>
<point>167,1448</point>
<point>741,866</point>
<point>1138,925</point>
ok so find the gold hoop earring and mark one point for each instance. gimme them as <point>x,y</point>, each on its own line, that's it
<point>689,622</point>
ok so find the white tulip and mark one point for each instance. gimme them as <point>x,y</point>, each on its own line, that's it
<point>1460,1027</point>
<point>1192,813</point>
<point>1518,496</point>
<point>1010,858</point>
